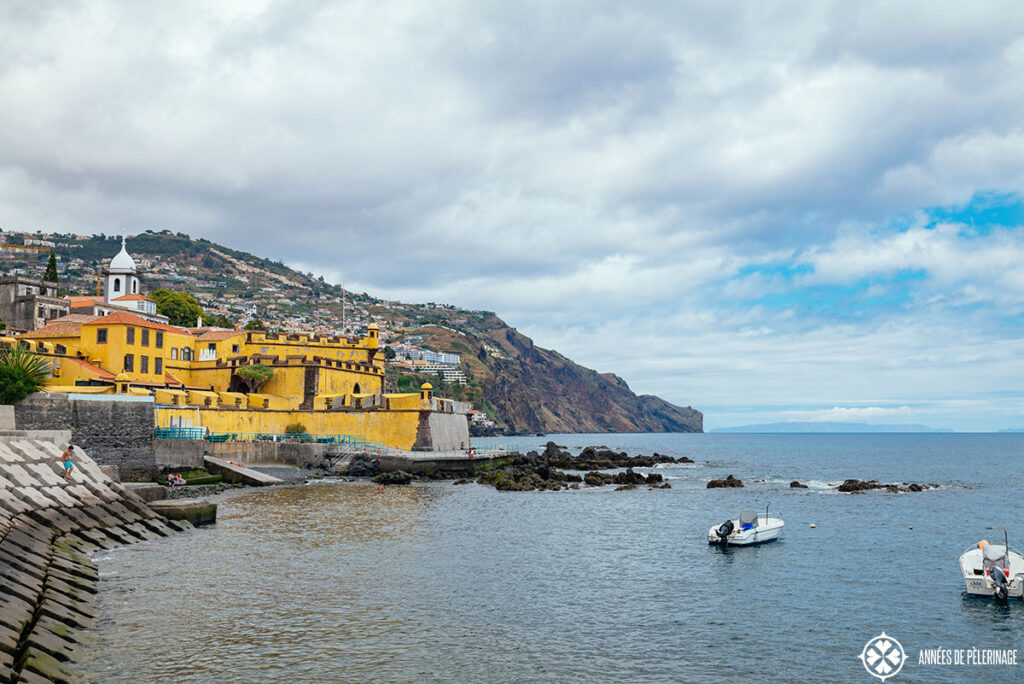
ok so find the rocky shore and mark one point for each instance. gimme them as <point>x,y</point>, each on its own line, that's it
<point>538,471</point>
<point>48,526</point>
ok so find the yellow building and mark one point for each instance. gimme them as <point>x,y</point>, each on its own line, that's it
<point>330,385</point>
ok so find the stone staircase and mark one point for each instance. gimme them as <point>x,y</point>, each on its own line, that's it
<point>48,526</point>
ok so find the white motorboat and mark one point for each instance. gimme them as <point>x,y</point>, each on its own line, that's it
<point>747,530</point>
<point>993,570</point>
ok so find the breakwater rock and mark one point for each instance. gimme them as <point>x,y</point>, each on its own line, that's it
<point>48,526</point>
<point>861,486</point>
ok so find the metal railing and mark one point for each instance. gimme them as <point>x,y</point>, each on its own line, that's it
<point>180,433</point>
<point>354,441</point>
<point>340,443</point>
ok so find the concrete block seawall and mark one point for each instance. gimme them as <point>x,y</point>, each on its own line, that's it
<point>113,430</point>
<point>48,526</point>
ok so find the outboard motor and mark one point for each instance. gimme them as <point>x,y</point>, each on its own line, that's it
<point>1002,587</point>
<point>724,530</point>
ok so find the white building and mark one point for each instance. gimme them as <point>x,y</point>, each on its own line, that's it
<point>121,292</point>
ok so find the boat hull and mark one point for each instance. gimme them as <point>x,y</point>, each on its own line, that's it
<point>766,531</point>
<point>977,583</point>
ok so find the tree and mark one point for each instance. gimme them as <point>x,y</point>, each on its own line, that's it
<point>255,376</point>
<point>218,321</point>
<point>256,324</point>
<point>180,308</point>
<point>51,269</point>
<point>389,353</point>
<point>21,374</point>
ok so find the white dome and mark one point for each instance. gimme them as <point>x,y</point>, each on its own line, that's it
<point>122,261</point>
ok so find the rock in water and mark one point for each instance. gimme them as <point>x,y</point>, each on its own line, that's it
<point>362,465</point>
<point>796,485</point>
<point>729,481</point>
<point>854,486</point>
<point>399,477</point>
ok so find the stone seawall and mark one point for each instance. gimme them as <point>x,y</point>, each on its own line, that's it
<point>48,526</point>
<point>112,430</point>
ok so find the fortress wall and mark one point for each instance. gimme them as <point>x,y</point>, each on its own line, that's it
<point>47,527</point>
<point>112,429</point>
<point>392,428</point>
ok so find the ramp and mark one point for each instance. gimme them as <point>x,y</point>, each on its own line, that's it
<point>236,472</point>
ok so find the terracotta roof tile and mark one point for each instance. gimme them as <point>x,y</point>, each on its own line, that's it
<point>79,302</point>
<point>56,329</point>
<point>101,372</point>
<point>73,318</point>
<point>133,298</point>
<point>218,335</point>
<point>131,319</point>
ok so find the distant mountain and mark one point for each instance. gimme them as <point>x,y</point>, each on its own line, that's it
<point>812,427</point>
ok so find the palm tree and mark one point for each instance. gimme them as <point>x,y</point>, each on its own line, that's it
<point>22,373</point>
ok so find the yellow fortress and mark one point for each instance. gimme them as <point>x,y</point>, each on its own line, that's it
<point>331,386</point>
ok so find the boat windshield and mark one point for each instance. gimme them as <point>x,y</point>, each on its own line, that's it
<point>748,518</point>
<point>994,552</point>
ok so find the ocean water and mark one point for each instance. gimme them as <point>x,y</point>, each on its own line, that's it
<point>433,582</point>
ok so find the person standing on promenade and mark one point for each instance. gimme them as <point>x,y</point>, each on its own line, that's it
<point>66,461</point>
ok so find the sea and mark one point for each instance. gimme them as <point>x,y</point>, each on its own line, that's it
<point>332,581</point>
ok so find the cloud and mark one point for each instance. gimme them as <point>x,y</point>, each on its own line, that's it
<point>729,205</point>
<point>866,414</point>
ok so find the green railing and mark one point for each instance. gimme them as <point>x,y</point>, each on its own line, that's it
<point>181,433</point>
<point>347,441</point>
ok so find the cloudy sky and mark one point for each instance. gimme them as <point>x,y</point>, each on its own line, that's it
<point>769,211</point>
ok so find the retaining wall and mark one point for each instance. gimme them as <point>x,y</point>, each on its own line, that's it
<point>449,431</point>
<point>189,453</point>
<point>112,430</point>
<point>47,528</point>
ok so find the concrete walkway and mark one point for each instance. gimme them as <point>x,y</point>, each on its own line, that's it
<point>239,473</point>
<point>422,461</point>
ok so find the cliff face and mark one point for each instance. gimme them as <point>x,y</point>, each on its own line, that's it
<point>539,390</point>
